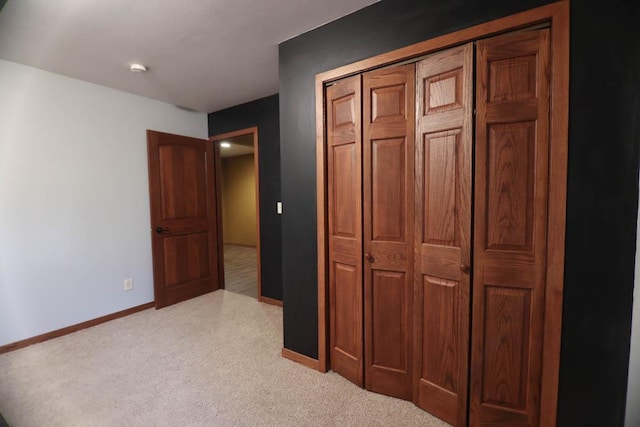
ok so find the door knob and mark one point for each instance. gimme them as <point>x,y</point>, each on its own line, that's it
<point>161,230</point>
<point>369,258</point>
<point>465,269</point>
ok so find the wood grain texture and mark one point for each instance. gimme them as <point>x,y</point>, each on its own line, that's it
<point>271,301</point>
<point>485,29</point>
<point>443,232</point>
<point>507,327</point>
<point>388,146</point>
<point>322,235</point>
<point>510,176</point>
<point>183,183</point>
<point>388,189</point>
<point>441,220</point>
<point>558,14</point>
<point>184,220</point>
<point>559,146</point>
<point>186,258</point>
<point>390,324</point>
<point>344,183</point>
<point>73,328</point>
<point>440,333</point>
<point>510,214</point>
<point>307,361</point>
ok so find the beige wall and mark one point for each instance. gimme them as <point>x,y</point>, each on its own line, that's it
<point>239,200</point>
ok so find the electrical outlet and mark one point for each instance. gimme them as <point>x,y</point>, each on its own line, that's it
<point>128,284</point>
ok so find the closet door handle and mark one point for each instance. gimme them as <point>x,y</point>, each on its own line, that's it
<point>369,258</point>
<point>465,269</point>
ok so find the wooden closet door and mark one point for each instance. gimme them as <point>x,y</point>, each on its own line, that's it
<point>388,136</point>
<point>344,190</point>
<point>510,213</point>
<point>443,232</point>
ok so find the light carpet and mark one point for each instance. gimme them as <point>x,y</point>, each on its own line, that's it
<point>211,361</point>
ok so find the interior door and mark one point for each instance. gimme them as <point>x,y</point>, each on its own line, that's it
<point>388,150</point>
<point>344,189</point>
<point>510,214</point>
<point>443,232</point>
<point>184,234</point>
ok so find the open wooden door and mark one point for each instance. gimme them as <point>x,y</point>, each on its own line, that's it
<point>184,234</point>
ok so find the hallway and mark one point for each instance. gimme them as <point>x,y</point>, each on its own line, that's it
<point>240,273</point>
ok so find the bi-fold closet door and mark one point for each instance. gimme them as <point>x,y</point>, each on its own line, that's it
<point>437,236</point>
<point>370,200</point>
<point>444,151</point>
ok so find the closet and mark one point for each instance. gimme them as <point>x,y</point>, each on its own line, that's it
<point>437,204</point>
<point>370,182</point>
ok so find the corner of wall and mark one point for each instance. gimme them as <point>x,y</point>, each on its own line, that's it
<point>632,416</point>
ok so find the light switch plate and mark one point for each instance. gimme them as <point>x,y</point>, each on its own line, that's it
<point>279,208</point>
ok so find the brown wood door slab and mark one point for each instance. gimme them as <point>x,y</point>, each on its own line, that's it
<point>184,233</point>
<point>443,232</point>
<point>510,214</point>
<point>388,149</point>
<point>344,189</point>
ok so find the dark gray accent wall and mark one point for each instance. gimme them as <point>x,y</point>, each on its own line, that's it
<point>602,182</point>
<point>264,114</point>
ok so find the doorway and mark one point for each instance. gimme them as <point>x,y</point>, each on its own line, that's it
<point>238,192</point>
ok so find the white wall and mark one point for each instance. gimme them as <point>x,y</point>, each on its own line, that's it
<point>74,198</point>
<point>633,387</point>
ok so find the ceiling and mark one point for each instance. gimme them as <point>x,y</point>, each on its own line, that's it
<point>203,55</point>
<point>239,146</point>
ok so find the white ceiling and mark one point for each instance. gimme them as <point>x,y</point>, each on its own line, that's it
<point>203,55</point>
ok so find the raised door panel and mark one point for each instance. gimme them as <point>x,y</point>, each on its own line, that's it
<point>345,224</point>
<point>346,333</point>
<point>510,214</point>
<point>182,182</point>
<point>441,220</point>
<point>507,317</point>
<point>510,175</point>
<point>186,258</point>
<point>388,146</point>
<point>390,325</point>
<point>443,232</point>
<point>344,174</point>
<point>388,170</point>
<point>440,332</point>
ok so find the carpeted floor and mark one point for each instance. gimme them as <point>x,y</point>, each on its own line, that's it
<point>211,361</point>
<point>240,270</point>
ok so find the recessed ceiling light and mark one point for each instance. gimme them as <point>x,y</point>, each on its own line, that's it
<point>225,145</point>
<point>137,68</point>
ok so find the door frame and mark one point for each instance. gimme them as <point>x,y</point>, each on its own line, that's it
<point>218,159</point>
<point>557,14</point>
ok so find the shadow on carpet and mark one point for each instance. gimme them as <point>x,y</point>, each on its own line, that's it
<point>3,422</point>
